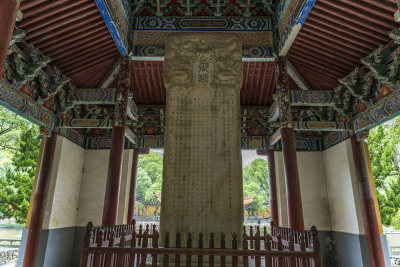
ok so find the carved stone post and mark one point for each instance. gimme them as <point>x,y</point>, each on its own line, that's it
<point>272,187</point>
<point>39,203</point>
<point>110,210</point>
<point>132,189</point>
<point>367,203</point>
<point>8,15</point>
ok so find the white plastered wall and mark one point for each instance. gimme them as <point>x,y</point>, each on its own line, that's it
<point>64,187</point>
<point>328,187</point>
<point>93,186</point>
<point>344,201</point>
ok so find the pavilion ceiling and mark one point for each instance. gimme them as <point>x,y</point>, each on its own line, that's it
<point>73,34</point>
<point>336,35</point>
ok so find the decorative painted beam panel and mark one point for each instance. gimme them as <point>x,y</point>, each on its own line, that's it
<point>254,143</point>
<point>92,96</point>
<point>103,142</point>
<point>130,136</point>
<point>156,53</point>
<point>291,19</point>
<point>110,76</point>
<point>334,138</point>
<point>132,110</point>
<point>386,108</point>
<point>73,135</point>
<point>321,126</point>
<point>117,22</point>
<point>312,98</point>
<point>275,137</point>
<point>85,123</point>
<point>15,100</point>
<point>296,76</point>
<point>201,24</point>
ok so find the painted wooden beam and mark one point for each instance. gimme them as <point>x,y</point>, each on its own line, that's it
<point>110,76</point>
<point>114,15</point>
<point>297,77</point>
<point>312,98</point>
<point>321,126</point>
<point>130,135</point>
<point>15,100</point>
<point>156,53</point>
<point>275,137</point>
<point>103,142</point>
<point>85,123</point>
<point>132,110</point>
<point>274,111</point>
<point>386,109</point>
<point>92,96</point>
<point>291,19</point>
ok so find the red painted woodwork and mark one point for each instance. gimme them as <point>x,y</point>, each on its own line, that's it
<point>69,32</point>
<point>367,203</point>
<point>336,35</point>
<point>122,246</point>
<point>293,194</point>
<point>273,201</point>
<point>39,204</point>
<point>132,189</point>
<point>8,15</point>
<point>110,210</point>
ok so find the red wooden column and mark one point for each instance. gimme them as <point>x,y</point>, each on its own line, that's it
<point>293,194</point>
<point>8,15</point>
<point>367,203</point>
<point>110,209</point>
<point>273,201</point>
<point>132,190</point>
<point>39,204</point>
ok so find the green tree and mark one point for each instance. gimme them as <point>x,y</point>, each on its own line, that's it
<point>149,180</point>
<point>255,186</point>
<point>16,184</point>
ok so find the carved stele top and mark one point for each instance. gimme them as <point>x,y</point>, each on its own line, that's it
<point>211,59</point>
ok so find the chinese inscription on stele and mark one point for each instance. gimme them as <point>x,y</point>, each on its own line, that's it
<point>202,180</point>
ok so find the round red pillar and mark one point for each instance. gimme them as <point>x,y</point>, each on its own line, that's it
<point>110,210</point>
<point>293,194</point>
<point>39,204</point>
<point>132,189</point>
<point>367,204</point>
<point>8,15</point>
<point>273,202</point>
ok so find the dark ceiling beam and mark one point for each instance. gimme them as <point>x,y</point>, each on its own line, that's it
<point>111,74</point>
<point>91,64</point>
<point>93,96</point>
<point>26,5</point>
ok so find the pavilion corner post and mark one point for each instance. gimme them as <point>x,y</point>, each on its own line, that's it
<point>272,187</point>
<point>111,198</point>
<point>293,194</point>
<point>39,204</point>
<point>367,203</point>
<point>132,189</point>
<point>8,15</point>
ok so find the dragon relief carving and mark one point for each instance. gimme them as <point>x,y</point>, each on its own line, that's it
<point>221,52</point>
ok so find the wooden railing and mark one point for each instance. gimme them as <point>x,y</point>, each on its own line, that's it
<point>122,246</point>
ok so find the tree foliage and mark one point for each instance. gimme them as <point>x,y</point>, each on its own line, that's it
<point>256,185</point>
<point>383,144</point>
<point>16,183</point>
<point>149,180</point>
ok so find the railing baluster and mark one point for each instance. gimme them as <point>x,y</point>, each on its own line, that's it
<point>211,257</point>
<point>291,248</point>
<point>200,245</point>
<point>222,247</point>
<point>316,247</point>
<point>121,256</point>
<point>133,245</point>
<point>86,244</point>
<point>109,256</point>
<point>267,245</point>
<point>99,242</point>
<point>251,239</point>
<point>235,247</point>
<point>280,248</point>
<point>166,245</point>
<point>257,247</point>
<point>303,248</point>
<point>245,247</point>
<point>139,244</point>
<point>189,245</point>
<point>155,245</point>
<point>144,245</point>
<point>178,245</point>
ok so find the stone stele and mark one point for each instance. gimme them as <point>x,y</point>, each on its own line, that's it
<point>202,189</point>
